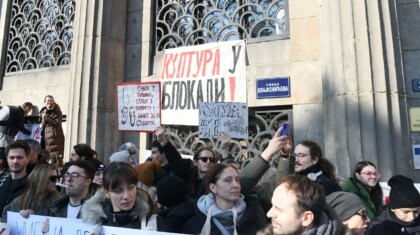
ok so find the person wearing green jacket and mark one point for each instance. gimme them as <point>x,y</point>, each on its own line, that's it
<point>365,184</point>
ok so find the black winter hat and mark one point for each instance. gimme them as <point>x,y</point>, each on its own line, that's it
<point>171,191</point>
<point>403,194</point>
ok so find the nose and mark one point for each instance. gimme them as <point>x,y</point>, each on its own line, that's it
<point>412,216</point>
<point>270,213</point>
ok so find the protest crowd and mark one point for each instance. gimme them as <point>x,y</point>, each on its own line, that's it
<point>288,189</point>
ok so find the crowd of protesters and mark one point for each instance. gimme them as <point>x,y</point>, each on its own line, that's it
<point>284,190</point>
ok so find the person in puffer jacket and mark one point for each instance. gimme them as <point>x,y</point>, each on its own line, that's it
<point>119,203</point>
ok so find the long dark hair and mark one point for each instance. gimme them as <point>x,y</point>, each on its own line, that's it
<point>375,193</point>
<point>316,153</point>
<point>193,171</point>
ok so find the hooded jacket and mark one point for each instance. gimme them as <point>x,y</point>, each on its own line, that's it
<point>53,131</point>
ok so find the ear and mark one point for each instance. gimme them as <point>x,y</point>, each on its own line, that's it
<point>106,193</point>
<point>315,161</point>
<point>195,162</point>
<point>213,188</point>
<point>307,218</point>
<point>357,176</point>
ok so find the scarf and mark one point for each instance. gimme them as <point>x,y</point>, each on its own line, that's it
<point>224,220</point>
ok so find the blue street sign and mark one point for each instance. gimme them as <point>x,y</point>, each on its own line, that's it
<point>273,87</point>
<point>416,85</point>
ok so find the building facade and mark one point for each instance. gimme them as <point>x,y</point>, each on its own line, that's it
<point>352,68</point>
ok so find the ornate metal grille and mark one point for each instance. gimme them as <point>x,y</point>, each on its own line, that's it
<point>262,127</point>
<point>40,34</point>
<point>187,22</point>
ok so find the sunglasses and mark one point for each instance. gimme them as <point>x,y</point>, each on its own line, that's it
<point>362,214</point>
<point>53,178</point>
<point>205,159</point>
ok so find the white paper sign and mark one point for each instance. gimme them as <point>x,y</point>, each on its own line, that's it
<point>416,156</point>
<point>4,229</point>
<point>229,117</point>
<point>63,226</point>
<point>212,72</point>
<point>138,106</point>
<point>35,133</point>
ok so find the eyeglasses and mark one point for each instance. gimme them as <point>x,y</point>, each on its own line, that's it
<point>53,178</point>
<point>362,214</point>
<point>298,155</point>
<point>371,173</point>
<point>205,159</point>
<point>73,175</point>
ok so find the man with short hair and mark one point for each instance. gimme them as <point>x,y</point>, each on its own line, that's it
<point>10,127</point>
<point>298,207</point>
<point>78,180</point>
<point>15,184</point>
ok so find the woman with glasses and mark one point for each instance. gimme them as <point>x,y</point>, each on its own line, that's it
<point>42,191</point>
<point>120,203</point>
<point>350,210</point>
<point>365,184</point>
<point>203,159</point>
<point>225,210</point>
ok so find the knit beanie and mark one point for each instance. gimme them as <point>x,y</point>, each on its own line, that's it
<point>147,171</point>
<point>345,204</point>
<point>132,149</point>
<point>121,156</point>
<point>403,194</point>
<point>171,191</point>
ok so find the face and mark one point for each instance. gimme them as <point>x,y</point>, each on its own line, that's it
<point>27,109</point>
<point>156,155</point>
<point>123,197</point>
<point>283,214</point>
<point>303,158</point>
<point>227,188</point>
<point>203,166</point>
<point>17,160</point>
<point>368,176</point>
<point>407,214</point>
<point>49,102</point>
<point>74,156</point>
<point>52,187</point>
<point>76,185</point>
<point>358,223</point>
<point>98,177</point>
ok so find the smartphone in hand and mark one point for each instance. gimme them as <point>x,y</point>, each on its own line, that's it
<point>285,130</point>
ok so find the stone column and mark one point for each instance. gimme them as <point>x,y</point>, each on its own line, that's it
<point>4,28</point>
<point>97,67</point>
<point>365,110</point>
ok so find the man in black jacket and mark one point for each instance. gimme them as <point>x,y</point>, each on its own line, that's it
<point>10,127</point>
<point>16,183</point>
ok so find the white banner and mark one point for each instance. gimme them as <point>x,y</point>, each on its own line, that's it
<point>213,72</point>
<point>63,226</point>
<point>35,133</point>
<point>229,117</point>
<point>138,106</point>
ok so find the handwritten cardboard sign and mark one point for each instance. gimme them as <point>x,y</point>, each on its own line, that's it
<point>212,72</point>
<point>229,117</point>
<point>139,106</point>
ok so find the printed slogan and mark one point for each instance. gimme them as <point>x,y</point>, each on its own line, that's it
<point>138,106</point>
<point>213,72</point>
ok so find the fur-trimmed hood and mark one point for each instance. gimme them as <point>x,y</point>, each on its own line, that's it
<point>95,210</point>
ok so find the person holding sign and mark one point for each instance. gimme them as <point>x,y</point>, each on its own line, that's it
<point>42,191</point>
<point>120,203</point>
